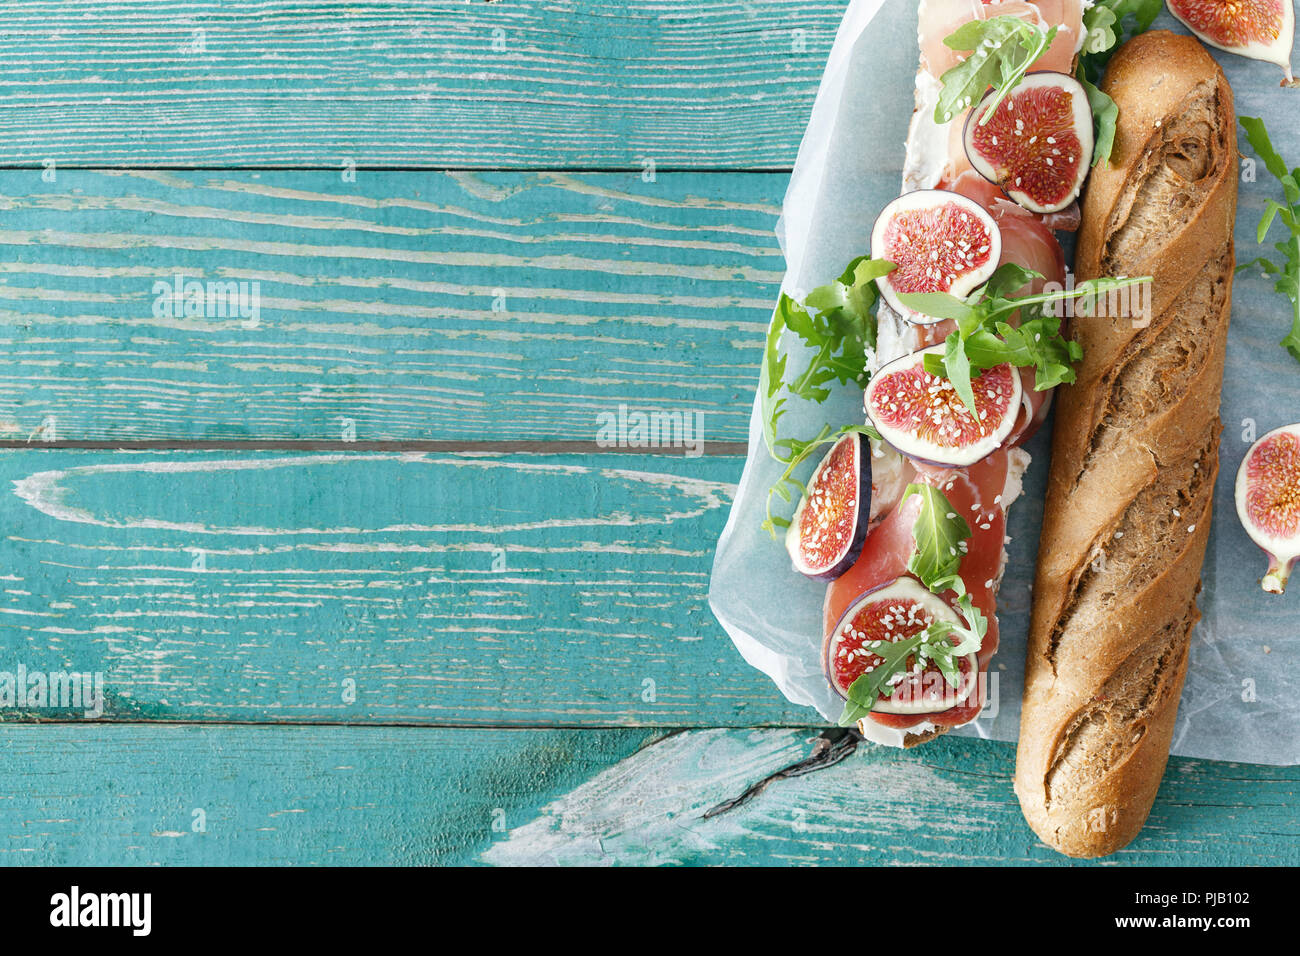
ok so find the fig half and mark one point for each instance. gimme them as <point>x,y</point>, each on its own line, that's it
<point>829,525</point>
<point>940,241</point>
<point>1259,29</point>
<point>1037,144</point>
<point>1268,501</point>
<point>894,612</point>
<point>922,415</point>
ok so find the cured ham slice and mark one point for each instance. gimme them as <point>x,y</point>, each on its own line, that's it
<point>974,186</point>
<point>1067,16</point>
<point>979,494</point>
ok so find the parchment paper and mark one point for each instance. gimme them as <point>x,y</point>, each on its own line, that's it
<point>1241,701</point>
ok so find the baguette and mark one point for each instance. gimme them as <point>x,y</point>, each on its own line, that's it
<point>1134,458</point>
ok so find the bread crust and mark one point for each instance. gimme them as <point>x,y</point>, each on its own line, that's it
<point>1134,457</point>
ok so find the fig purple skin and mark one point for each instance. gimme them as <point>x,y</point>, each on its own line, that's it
<point>844,471</point>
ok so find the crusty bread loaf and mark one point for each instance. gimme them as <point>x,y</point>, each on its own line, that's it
<point>1134,458</point>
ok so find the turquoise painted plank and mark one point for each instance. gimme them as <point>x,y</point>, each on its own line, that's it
<point>146,795</point>
<point>524,84</point>
<point>437,589</point>
<point>946,802</point>
<point>401,306</point>
<point>351,795</point>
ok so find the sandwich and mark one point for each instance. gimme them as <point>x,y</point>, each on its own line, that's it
<point>905,516</point>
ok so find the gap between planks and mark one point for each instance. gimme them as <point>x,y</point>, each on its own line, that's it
<point>663,731</point>
<point>392,168</point>
<point>722,449</point>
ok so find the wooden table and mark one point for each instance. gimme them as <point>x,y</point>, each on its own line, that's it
<point>361,585</point>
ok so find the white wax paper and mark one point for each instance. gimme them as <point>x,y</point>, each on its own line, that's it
<point>1241,701</point>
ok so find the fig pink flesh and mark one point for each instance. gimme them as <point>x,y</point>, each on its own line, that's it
<point>933,247</point>
<point>889,620</point>
<point>1234,23</point>
<point>1027,238</point>
<point>828,522</point>
<point>1273,493</point>
<point>914,401</point>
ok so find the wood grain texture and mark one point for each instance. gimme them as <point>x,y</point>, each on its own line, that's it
<point>353,795</point>
<point>413,306</point>
<point>304,796</point>
<point>948,802</point>
<point>441,589</point>
<point>517,84</point>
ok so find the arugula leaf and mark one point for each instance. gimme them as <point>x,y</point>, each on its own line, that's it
<point>835,320</point>
<point>1257,134</point>
<point>1098,31</point>
<point>1035,343</point>
<point>983,339</point>
<point>1105,114</point>
<point>1003,48</point>
<point>969,638</point>
<point>1288,270</point>
<point>957,369</point>
<point>1008,279</point>
<point>938,534</point>
<point>940,305</point>
<point>772,372</point>
<point>1106,25</point>
<point>1109,23</point>
<point>1291,342</point>
<point>867,689</point>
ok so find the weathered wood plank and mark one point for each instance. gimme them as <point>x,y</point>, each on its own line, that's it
<point>425,588</point>
<point>134,795</point>
<point>529,83</point>
<point>402,306</point>
<point>947,802</point>
<point>354,795</point>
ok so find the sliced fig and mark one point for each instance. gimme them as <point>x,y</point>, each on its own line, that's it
<point>940,241</point>
<point>894,612</point>
<point>1268,501</point>
<point>1260,29</point>
<point>1037,143</point>
<point>829,525</point>
<point>922,415</point>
